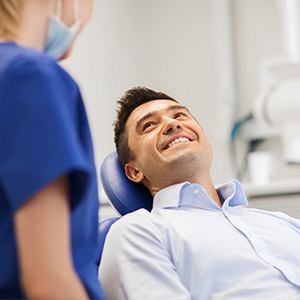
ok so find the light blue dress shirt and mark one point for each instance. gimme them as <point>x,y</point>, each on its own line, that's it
<point>190,248</point>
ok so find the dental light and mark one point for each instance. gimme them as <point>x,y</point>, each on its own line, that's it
<point>277,106</point>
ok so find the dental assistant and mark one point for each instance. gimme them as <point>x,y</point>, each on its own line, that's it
<point>48,188</point>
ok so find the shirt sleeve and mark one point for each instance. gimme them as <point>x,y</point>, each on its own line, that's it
<point>39,138</point>
<point>135,264</point>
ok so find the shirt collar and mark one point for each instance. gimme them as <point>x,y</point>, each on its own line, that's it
<point>194,195</point>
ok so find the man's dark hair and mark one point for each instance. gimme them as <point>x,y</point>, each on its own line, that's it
<point>127,103</point>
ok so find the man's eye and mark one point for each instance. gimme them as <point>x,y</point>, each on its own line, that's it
<point>179,114</point>
<point>147,125</point>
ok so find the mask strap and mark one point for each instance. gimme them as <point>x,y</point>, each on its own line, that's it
<point>58,9</point>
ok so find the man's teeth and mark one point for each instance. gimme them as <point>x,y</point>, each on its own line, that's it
<point>179,140</point>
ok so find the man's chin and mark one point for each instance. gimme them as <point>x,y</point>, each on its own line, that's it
<point>183,158</point>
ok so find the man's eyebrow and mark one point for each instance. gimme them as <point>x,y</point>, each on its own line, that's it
<point>151,114</point>
<point>178,107</point>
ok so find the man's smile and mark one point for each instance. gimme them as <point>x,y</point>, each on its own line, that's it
<point>177,139</point>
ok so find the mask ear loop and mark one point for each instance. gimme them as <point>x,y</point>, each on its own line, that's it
<point>58,9</point>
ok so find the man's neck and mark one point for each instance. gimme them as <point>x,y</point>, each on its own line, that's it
<point>212,192</point>
<point>205,181</point>
<point>208,185</point>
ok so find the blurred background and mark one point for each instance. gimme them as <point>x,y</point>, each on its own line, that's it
<point>220,58</point>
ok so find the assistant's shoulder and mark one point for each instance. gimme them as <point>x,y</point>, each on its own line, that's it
<point>32,81</point>
<point>27,63</point>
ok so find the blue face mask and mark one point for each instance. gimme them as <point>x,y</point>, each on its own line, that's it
<point>60,37</point>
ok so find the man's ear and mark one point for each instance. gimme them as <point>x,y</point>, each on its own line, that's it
<point>133,173</point>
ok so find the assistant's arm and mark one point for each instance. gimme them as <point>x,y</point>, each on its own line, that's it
<point>136,264</point>
<point>42,228</point>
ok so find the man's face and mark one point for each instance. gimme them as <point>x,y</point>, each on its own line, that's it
<point>167,142</point>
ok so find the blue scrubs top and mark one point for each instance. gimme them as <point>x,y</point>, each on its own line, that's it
<point>44,134</point>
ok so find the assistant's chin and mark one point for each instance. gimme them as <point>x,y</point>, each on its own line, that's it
<point>67,54</point>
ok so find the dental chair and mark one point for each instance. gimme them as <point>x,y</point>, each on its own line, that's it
<point>124,195</point>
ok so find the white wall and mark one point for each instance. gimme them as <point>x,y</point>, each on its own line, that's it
<point>258,36</point>
<point>169,45</point>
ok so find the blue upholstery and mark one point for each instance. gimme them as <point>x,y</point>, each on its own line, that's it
<point>103,230</point>
<point>125,195</point>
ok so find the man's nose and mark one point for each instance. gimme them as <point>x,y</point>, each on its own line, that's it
<point>171,126</point>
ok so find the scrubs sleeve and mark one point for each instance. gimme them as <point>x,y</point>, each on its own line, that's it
<point>39,138</point>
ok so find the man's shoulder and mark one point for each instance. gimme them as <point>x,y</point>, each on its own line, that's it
<point>136,218</point>
<point>138,223</point>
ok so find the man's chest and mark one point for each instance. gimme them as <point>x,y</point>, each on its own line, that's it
<point>233,242</point>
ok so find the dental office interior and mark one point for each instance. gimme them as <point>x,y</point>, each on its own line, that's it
<point>234,63</point>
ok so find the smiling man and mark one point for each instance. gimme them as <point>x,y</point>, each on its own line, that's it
<point>198,242</point>
<point>157,152</point>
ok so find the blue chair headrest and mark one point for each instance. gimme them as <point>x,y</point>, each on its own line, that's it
<point>104,227</point>
<point>125,195</point>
